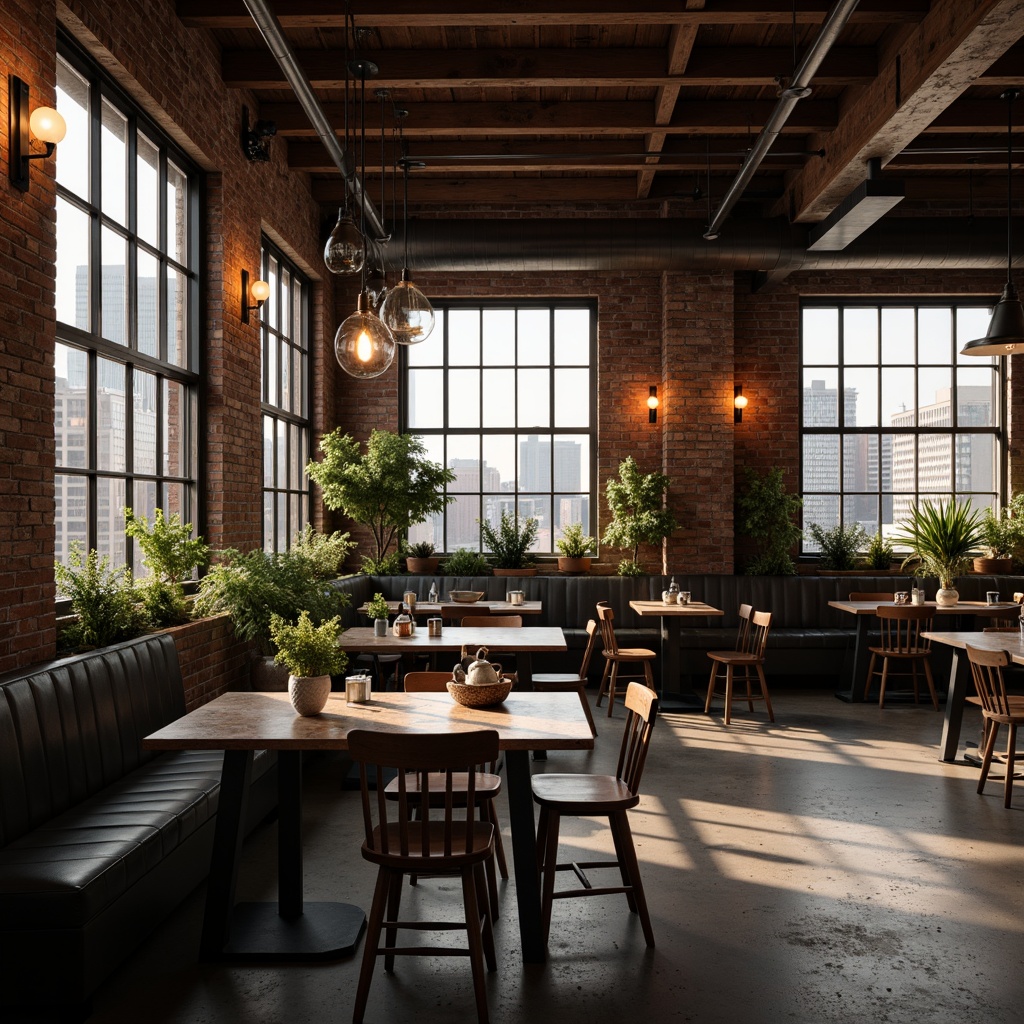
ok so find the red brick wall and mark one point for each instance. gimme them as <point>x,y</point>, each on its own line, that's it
<point>212,660</point>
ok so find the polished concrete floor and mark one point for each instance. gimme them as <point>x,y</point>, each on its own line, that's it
<point>823,869</point>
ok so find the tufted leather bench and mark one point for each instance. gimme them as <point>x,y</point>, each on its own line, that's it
<point>99,839</point>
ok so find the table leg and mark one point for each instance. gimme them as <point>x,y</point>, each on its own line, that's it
<point>524,668</point>
<point>954,708</point>
<point>672,699</point>
<point>524,855</point>
<point>852,690</point>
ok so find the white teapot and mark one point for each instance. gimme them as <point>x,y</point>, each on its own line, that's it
<point>481,672</point>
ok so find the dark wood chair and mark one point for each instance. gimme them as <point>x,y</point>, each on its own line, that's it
<point>998,708</point>
<point>748,655</point>
<point>417,834</point>
<point>902,644</point>
<point>614,656</point>
<point>592,795</point>
<point>568,682</point>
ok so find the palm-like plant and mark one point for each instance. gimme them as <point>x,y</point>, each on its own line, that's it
<point>942,537</point>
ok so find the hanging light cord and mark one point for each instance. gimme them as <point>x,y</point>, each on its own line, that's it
<point>1011,95</point>
<point>405,216</point>
<point>362,160</point>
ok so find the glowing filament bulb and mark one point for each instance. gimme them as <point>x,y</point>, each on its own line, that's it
<point>364,347</point>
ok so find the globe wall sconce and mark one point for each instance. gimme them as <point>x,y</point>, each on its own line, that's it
<point>652,404</point>
<point>258,292</point>
<point>739,403</point>
<point>44,124</point>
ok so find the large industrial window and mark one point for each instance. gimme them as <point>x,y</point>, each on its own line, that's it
<point>285,337</point>
<point>892,415</point>
<point>504,396</point>
<point>125,410</point>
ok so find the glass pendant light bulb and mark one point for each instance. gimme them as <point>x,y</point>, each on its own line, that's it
<point>363,346</point>
<point>343,252</point>
<point>407,312</point>
<point>376,281</point>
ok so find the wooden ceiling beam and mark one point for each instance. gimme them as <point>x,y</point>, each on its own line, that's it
<point>330,14</point>
<point>950,49</point>
<point>549,68</point>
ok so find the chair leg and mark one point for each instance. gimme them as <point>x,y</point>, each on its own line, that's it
<point>1011,745</point>
<point>620,825</point>
<point>623,861</point>
<point>885,677</point>
<point>871,674</point>
<point>913,673</point>
<point>492,889</point>
<point>764,690</point>
<point>750,692</point>
<point>603,688</point>
<point>728,694</point>
<point>476,948</point>
<point>986,759</point>
<point>486,930</point>
<point>499,846</point>
<point>711,687</point>
<point>586,708</point>
<point>649,676</point>
<point>929,679</point>
<point>391,933</point>
<point>371,943</point>
<point>550,870</point>
<point>612,681</point>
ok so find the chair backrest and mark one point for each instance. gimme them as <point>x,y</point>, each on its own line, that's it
<point>871,595</point>
<point>642,710</point>
<point>498,621</point>
<point>987,673</point>
<point>902,626</point>
<point>588,652</point>
<point>743,629</point>
<point>606,617</point>
<point>401,826</point>
<point>426,682</point>
<point>757,635</point>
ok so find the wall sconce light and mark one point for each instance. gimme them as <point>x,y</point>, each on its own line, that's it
<point>45,124</point>
<point>739,403</point>
<point>652,405</point>
<point>256,139</point>
<point>259,290</point>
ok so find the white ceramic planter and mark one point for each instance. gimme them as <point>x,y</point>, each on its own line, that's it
<point>309,694</point>
<point>946,598</point>
<point>380,627</point>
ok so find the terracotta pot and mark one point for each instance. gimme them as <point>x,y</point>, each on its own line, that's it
<point>573,564</point>
<point>423,565</point>
<point>516,572</point>
<point>993,566</point>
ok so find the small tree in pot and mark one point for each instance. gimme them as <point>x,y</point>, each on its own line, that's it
<point>766,514</point>
<point>574,547</point>
<point>639,516</point>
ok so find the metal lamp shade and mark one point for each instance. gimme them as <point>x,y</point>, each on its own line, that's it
<point>1005,330</point>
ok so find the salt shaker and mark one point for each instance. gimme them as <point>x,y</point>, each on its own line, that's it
<point>432,596</point>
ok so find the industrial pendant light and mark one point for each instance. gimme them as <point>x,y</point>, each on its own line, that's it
<point>406,310</point>
<point>1006,328</point>
<point>363,345</point>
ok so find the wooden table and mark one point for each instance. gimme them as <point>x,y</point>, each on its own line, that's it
<point>959,675</point>
<point>524,642</point>
<point>239,723</point>
<point>865,610</point>
<point>672,616</point>
<point>460,609</point>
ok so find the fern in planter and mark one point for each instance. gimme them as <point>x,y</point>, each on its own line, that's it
<point>880,554</point>
<point>838,545</point>
<point>510,544</point>
<point>464,562</point>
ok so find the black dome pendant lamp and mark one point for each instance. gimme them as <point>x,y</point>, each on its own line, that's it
<point>1006,328</point>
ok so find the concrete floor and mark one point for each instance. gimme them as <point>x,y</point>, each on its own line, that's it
<point>824,869</point>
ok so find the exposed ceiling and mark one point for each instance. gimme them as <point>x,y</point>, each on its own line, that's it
<point>626,104</point>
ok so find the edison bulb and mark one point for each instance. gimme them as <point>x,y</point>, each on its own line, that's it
<point>407,312</point>
<point>363,345</point>
<point>344,252</point>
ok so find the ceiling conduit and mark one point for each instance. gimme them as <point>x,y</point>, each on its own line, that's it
<point>266,21</point>
<point>798,89</point>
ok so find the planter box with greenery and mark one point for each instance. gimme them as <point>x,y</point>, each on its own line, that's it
<point>1002,536</point>
<point>574,547</point>
<point>464,562</point>
<point>420,558</point>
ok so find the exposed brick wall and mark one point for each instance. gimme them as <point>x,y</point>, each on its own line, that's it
<point>212,660</point>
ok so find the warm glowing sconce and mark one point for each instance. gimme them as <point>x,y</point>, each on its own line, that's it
<point>739,403</point>
<point>44,124</point>
<point>652,405</point>
<point>259,291</point>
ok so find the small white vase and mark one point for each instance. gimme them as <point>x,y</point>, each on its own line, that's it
<point>946,598</point>
<point>309,693</point>
<point>380,627</point>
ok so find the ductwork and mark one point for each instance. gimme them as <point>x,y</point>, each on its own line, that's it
<point>653,245</point>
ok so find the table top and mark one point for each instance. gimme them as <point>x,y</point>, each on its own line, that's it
<point>1009,641</point>
<point>466,607</point>
<point>961,608</point>
<point>525,638</point>
<point>266,721</point>
<point>660,608</point>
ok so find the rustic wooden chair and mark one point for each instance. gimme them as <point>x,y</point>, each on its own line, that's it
<point>487,785</point>
<point>592,795</point>
<point>567,682</point>
<point>418,834</point>
<point>507,660</point>
<point>902,643</point>
<point>748,654</point>
<point>614,656</point>
<point>998,708</point>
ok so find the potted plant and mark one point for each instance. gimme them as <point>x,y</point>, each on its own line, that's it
<point>1002,536</point>
<point>838,545</point>
<point>378,611</point>
<point>880,554</point>
<point>574,547</point>
<point>463,562</point>
<point>639,516</point>
<point>766,515</point>
<point>388,488</point>
<point>942,537</point>
<point>420,557</point>
<point>510,543</point>
<point>312,655</point>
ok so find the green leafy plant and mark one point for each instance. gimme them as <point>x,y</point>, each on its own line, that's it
<point>1002,533</point>
<point>463,562</point>
<point>421,549</point>
<point>942,537</point>
<point>388,488</point>
<point>308,650</point>
<point>510,543</point>
<point>838,545</point>
<point>639,514</point>
<point>766,515</point>
<point>574,543</point>
<point>880,554</point>
<point>325,553</point>
<point>172,555</point>
<point>103,600</point>
<point>377,608</point>
<point>627,567</point>
<point>387,565</point>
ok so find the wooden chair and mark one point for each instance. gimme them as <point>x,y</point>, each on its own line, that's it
<point>748,654</point>
<point>592,795</point>
<point>902,643</point>
<point>614,656</point>
<point>567,682</point>
<point>498,622</point>
<point>487,785</point>
<point>998,708</point>
<point>418,834</point>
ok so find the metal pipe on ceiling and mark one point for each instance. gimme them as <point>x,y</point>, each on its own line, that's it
<point>266,21</point>
<point>798,89</point>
